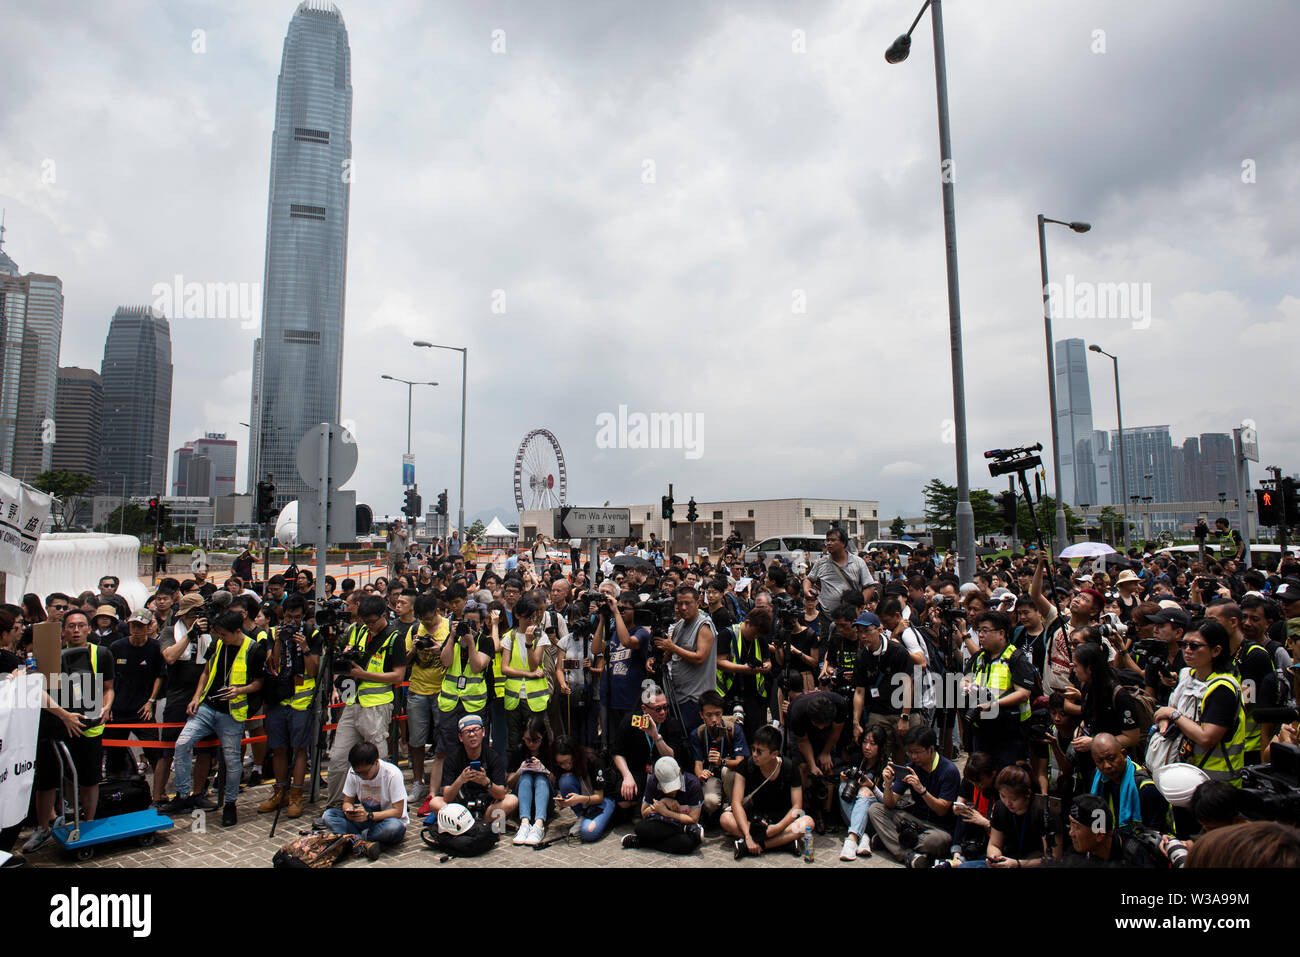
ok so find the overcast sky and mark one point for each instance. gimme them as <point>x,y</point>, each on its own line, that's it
<point>789,160</point>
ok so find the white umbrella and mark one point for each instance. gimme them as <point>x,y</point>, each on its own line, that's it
<point>1087,550</point>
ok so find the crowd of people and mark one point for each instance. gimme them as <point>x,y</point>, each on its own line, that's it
<point>1041,714</point>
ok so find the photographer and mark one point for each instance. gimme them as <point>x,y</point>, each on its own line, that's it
<point>999,686</point>
<point>424,659</point>
<point>919,835</point>
<point>643,738</point>
<point>815,724</point>
<point>744,667</point>
<point>719,749</point>
<point>1253,666</point>
<point>766,809</point>
<point>576,707</point>
<point>838,572</point>
<point>373,661</point>
<point>295,659</point>
<point>690,653</point>
<point>670,811</point>
<point>899,629</point>
<point>624,673</point>
<point>1098,843</point>
<point>475,776</point>
<point>843,647</point>
<point>860,788</point>
<point>374,799</point>
<point>1162,669</point>
<point>219,706</point>
<point>522,651</point>
<point>883,679</point>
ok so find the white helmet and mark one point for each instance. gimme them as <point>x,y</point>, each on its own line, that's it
<point>455,819</point>
<point>1178,782</point>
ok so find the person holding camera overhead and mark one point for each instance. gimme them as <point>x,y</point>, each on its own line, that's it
<point>378,661</point>
<point>293,663</point>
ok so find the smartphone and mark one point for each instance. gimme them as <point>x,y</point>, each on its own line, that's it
<point>900,769</point>
<point>476,765</point>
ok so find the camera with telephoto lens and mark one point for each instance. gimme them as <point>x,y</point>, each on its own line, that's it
<point>655,613</point>
<point>853,778</point>
<point>1111,627</point>
<point>293,655</point>
<point>331,612</point>
<point>1271,792</point>
<point>1039,725</point>
<point>786,610</point>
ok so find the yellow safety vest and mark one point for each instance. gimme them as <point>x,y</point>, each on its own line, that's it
<point>726,680</point>
<point>534,690</point>
<point>995,675</point>
<point>473,694</point>
<point>98,729</point>
<point>238,676</point>
<point>304,687</point>
<point>1254,737</point>
<point>1225,760</point>
<point>372,694</point>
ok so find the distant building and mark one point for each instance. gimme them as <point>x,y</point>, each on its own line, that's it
<point>219,478</point>
<point>137,379</point>
<point>79,416</point>
<point>1074,423</point>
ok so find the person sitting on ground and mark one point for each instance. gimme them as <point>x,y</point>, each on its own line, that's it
<point>766,800</point>
<point>876,749</point>
<point>476,777</point>
<point>374,799</point>
<point>1127,787</point>
<point>670,811</point>
<point>719,749</point>
<point>934,782</point>
<point>533,781</point>
<point>587,788</point>
<point>1017,837</point>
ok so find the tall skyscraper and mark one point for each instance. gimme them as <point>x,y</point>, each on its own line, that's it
<point>31,328</point>
<point>137,376</point>
<point>79,415</point>
<point>1074,423</point>
<point>1218,467</point>
<point>1149,451</point>
<point>219,479</point>
<point>299,357</point>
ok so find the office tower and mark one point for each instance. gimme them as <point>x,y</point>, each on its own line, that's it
<point>219,479</point>
<point>1074,423</point>
<point>79,417</point>
<point>31,327</point>
<point>1148,450</point>
<point>300,356</point>
<point>1218,468</point>
<point>137,377</point>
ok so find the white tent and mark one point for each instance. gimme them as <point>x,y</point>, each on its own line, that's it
<point>497,534</point>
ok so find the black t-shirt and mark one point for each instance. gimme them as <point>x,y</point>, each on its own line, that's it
<point>843,655</point>
<point>880,675</point>
<point>1112,713</point>
<point>1022,835</point>
<point>1254,665</point>
<point>801,725</point>
<point>981,801</point>
<point>806,641</point>
<point>9,661</point>
<point>723,619</point>
<point>136,668</point>
<point>771,801</point>
<point>75,661</point>
<point>634,746</point>
<point>1221,708</point>
<point>395,653</point>
<point>493,766</point>
<point>223,663</point>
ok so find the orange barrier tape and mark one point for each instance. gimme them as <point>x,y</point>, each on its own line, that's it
<point>207,743</point>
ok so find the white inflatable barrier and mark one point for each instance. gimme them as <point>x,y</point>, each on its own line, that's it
<point>74,562</point>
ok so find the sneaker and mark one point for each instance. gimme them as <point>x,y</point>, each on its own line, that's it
<point>916,861</point>
<point>228,818</point>
<point>204,803</point>
<point>630,840</point>
<point>417,793</point>
<point>525,831</point>
<point>864,848</point>
<point>741,849</point>
<point>850,850</point>
<point>38,838</point>
<point>876,844</point>
<point>536,833</point>
<point>427,806</point>
<point>178,805</point>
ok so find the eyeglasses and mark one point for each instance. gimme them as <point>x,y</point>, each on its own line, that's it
<point>656,707</point>
<point>1192,645</point>
<point>987,631</point>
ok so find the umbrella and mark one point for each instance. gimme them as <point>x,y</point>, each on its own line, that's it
<point>1087,550</point>
<point>632,561</point>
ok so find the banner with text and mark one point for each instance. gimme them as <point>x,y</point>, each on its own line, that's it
<point>22,510</point>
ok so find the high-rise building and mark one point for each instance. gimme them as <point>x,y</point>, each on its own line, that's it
<point>219,479</point>
<point>79,417</point>
<point>137,376</point>
<point>1149,451</point>
<point>1074,423</point>
<point>1101,456</point>
<point>1218,470</point>
<point>31,328</point>
<point>198,476</point>
<point>301,346</point>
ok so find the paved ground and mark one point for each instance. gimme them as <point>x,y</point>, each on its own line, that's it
<point>203,842</point>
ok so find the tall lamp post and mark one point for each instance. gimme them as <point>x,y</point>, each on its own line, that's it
<point>897,53</point>
<point>1119,416</point>
<point>464,376</point>
<point>1051,369</point>
<point>410,387</point>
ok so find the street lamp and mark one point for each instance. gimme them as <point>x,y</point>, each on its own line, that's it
<point>897,53</point>
<point>410,387</point>
<point>1051,366</point>
<point>1119,415</point>
<point>464,376</point>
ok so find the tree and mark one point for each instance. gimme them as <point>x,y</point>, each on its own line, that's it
<point>988,518</point>
<point>1046,520</point>
<point>69,488</point>
<point>475,532</point>
<point>1109,519</point>
<point>898,527</point>
<point>941,508</point>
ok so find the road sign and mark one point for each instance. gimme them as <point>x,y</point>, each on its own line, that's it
<point>572,522</point>
<point>340,523</point>
<point>343,455</point>
<point>1249,442</point>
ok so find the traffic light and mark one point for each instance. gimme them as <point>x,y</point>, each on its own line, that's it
<point>691,513</point>
<point>265,501</point>
<point>1266,510</point>
<point>412,508</point>
<point>1007,501</point>
<point>163,518</point>
<point>152,515</point>
<point>442,502</point>
<point>1291,506</point>
<point>668,507</point>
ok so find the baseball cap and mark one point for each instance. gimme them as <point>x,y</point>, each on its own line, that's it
<point>144,616</point>
<point>868,619</point>
<point>1171,616</point>
<point>469,721</point>
<point>668,774</point>
<point>1091,810</point>
<point>1288,591</point>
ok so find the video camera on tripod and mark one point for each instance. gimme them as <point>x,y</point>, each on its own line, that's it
<point>1018,461</point>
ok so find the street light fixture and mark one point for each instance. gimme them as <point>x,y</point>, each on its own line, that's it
<point>1119,416</point>
<point>1051,366</point>
<point>464,377</point>
<point>897,53</point>
<point>410,387</point>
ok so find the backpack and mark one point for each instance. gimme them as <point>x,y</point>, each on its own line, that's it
<point>1144,707</point>
<point>733,604</point>
<point>479,839</point>
<point>322,850</point>
<point>1277,691</point>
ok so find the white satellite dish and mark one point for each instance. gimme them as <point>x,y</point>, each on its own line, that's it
<point>286,525</point>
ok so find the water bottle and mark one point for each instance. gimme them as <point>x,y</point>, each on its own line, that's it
<point>31,663</point>
<point>808,854</point>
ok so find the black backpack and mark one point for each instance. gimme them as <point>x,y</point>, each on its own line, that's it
<point>122,795</point>
<point>479,839</point>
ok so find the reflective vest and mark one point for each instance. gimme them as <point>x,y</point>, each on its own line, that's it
<point>995,675</point>
<point>534,690</point>
<point>1225,760</point>
<point>304,686</point>
<point>98,729</point>
<point>371,694</point>
<point>238,676</point>
<point>462,685</point>
<point>1254,739</point>
<point>727,680</point>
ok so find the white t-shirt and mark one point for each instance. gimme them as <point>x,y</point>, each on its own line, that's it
<point>571,650</point>
<point>385,789</point>
<point>508,644</point>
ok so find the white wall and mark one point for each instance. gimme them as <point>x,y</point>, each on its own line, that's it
<point>73,562</point>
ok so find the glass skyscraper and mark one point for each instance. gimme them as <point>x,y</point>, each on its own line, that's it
<point>137,380</point>
<point>1074,424</point>
<point>298,360</point>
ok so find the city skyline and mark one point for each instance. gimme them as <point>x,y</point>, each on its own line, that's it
<point>690,182</point>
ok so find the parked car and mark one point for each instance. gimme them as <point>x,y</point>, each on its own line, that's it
<point>791,548</point>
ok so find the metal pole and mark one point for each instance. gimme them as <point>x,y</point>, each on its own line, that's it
<point>1123,473</point>
<point>1015,532</point>
<point>965,516</point>
<point>1051,387</point>
<point>464,389</point>
<point>410,387</point>
<point>322,503</point>
<point>1243,486</point>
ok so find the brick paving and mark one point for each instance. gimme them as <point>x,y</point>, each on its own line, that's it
<point>203,842</point>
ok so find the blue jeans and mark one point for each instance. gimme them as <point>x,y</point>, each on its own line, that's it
<point>390,830</point>
<point>534,790</point>
<point>856,813</point>
<point>590,828</point>
<point>206,723</point>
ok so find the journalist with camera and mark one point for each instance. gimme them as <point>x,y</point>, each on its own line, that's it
<point>883,681</point>
<point>690,653</point>
<point>923,832</point>
<point>998,687</point>
<point>1163,653</point>
<point>372,661</point>
<point>719,747</point>
<point>625,650</point>
<point>425,677</point>
<point>291,671</point>
<point>745,664</point>
<point>640,740</point>
<point>465,654</point>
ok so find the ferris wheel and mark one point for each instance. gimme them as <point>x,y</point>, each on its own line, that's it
<point>541,480</point>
